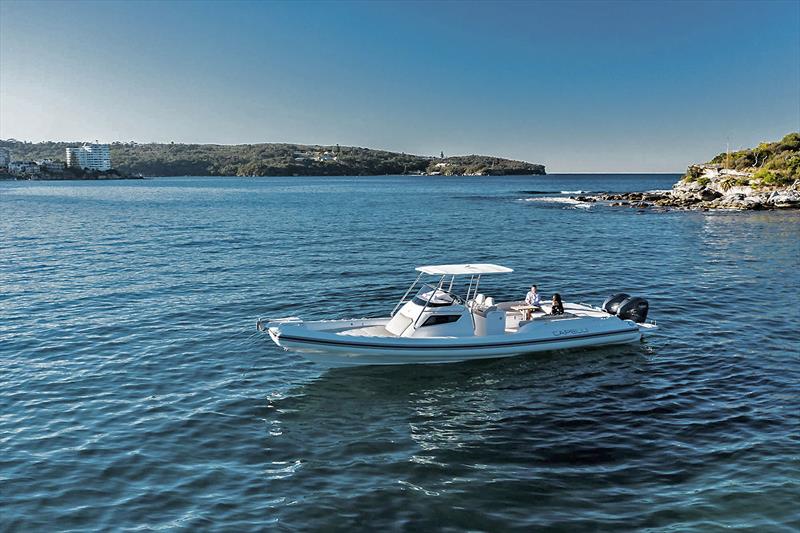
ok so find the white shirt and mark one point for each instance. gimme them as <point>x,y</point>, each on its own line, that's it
<point>533,298</point>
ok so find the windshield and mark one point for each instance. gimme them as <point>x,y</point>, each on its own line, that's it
<point>432,297</point>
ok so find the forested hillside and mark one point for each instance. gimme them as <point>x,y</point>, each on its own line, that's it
<point>273,159</point>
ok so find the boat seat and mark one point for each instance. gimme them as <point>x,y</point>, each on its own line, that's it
<point>479,299</point>
<point>489,301</point>
<point>557,317</point>
<point>483,311</point>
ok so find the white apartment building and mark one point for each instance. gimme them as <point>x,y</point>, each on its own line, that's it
<point>90,156</point>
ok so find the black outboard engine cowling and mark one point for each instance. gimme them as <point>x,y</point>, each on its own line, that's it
<point>611,305</point>
<point>634,309</point>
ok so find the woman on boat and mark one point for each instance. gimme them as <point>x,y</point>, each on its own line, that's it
<point>558,307</point>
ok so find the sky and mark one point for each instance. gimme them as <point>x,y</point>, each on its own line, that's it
<point>578,86</point>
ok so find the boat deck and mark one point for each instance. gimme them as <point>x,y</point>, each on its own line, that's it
<point>369,331</point>
<point>513,319</point>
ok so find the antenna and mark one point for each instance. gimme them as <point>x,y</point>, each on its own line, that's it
<point>728,153</point>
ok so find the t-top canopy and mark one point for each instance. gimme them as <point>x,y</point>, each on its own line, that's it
<point>457,270</point>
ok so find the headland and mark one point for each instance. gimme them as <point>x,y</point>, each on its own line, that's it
<point>277,159</point>
<point>765,177</point>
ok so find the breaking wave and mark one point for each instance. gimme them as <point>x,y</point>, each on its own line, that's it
<point>555,192</point>
<point>571,202</point>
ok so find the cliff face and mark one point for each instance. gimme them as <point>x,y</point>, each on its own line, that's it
<point>714,187</point>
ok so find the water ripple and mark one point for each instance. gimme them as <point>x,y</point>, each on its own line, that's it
<point>137,395</point>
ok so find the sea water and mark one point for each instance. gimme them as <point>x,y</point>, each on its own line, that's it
<point>136,393</point>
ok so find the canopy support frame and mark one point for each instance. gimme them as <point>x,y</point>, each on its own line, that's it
<point>428,301</point>
<point>403,299</point>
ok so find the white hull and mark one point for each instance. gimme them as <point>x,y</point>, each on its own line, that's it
<point>436,325</point>
<point>328,343</point>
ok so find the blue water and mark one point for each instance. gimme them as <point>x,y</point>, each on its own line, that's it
<point>136,394</point>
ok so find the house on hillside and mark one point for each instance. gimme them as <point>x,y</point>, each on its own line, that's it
<point>327,157</point>
<point>27,168</point>
<point>51,166</point>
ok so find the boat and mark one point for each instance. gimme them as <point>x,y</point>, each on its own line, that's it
<point>437,325</point>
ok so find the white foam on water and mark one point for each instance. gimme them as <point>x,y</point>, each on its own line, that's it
<point>571,202</point>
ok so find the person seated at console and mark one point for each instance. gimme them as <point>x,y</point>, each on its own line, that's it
<point>532,299</point>
<point>558,307</point>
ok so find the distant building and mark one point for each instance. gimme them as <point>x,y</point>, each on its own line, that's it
<point>326,156</point>
<point>23,167</point>
<point>89,156</point>
<point>5,157</point>
<point>51,166</point>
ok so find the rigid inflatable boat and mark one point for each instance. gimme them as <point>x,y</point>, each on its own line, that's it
<point>436,325</point>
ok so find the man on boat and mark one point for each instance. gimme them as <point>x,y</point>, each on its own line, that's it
<point>532,299</point>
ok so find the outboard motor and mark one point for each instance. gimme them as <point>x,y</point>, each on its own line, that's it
<point>612,303</point>
<point>634,309</point>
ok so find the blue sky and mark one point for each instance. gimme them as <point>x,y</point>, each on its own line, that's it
<point>577,86</point>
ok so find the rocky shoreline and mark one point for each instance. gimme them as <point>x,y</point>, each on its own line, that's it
<point>49,170</point>
<point>710,188</point>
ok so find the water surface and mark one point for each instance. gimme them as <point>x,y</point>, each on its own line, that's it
<point>135,393</point>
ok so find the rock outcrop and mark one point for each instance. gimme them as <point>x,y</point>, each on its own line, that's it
<point>765,177</point>
<point>710,187</point>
